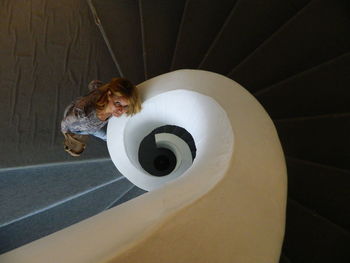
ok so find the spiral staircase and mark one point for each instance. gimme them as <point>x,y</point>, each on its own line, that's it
<point>292,55</point>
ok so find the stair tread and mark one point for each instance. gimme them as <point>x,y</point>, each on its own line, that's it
<point>161,22</point>
<point>122,26</point>
<point>63,215</point>
<point>251,23</point>
<point>309,93</point>
<point>25,191</point>
<point>323,140</point>
<point>299,3</point>
<point>318,33</point>
<point>320,165</point>
<point>202,20</point>
<point>311,238</point>
<point>313,118</point>
<point>330,195</point>
<point>284,259</point>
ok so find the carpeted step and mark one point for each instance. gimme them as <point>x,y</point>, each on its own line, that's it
<point>59,216</point>
<point>321,90</point>
<point>312,238</point>
<point>160,24</point>
<point>122,27</point>
<point>27,189</point>
<point>202,20</point>
<point>319,33</point>
<point>284,259</point>
<point>38,150</point>
<point>321,139</point>
<point>36,201</point>
<point>249,25</point>
<point>321,188</point>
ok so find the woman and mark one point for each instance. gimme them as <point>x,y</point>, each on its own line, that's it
<point>88,115</point>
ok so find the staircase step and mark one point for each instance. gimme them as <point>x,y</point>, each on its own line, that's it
<point>249,25</point>
<point>284,259</point>
<point>161,21</point>
<point>311,238</point>
<point>321,188</point>
<point>202,20</point>
<point>322,139</point>
<point>36,151</point>
<point>60,216</point>
<point>41,199</point>
<point>27,189</point>
<point>310,93</point>
<point>132,193</point>
<point>318,33</point>
<point>122,27</point>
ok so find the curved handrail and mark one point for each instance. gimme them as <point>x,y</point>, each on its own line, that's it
<point>239,218</point>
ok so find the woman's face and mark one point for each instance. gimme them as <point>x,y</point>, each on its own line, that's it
<point>117,106</point>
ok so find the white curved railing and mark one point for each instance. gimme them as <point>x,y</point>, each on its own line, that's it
<point>233,210</point>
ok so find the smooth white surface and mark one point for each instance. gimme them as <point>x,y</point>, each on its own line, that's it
<point>200,115</point>
<point>245,206</point>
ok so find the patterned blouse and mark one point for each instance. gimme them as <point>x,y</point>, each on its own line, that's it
<point>80,115</point>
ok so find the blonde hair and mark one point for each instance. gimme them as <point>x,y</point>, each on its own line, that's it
<point>120,87</point>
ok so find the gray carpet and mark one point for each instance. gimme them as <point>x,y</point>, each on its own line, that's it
<point>60,216</point>
<point>50,50</point>
<point>31,189</point>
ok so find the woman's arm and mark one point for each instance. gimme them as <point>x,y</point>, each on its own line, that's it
<point>68,122</point>
<point>71,119</point>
